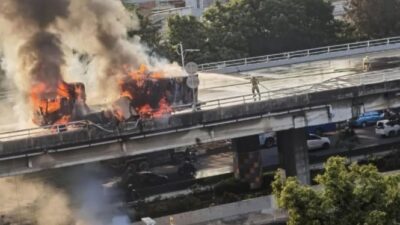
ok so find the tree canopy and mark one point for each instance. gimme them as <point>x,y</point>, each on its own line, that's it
<point>348,195</point>
<point>241,28</point>
<point>375,18</point>
<point>192,34</point>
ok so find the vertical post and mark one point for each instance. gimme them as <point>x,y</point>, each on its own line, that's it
<point>182,54</point>
<point>194,99</point>
<point>248,160</point>
<point>293,153</point>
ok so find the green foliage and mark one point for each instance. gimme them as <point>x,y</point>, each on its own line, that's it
<point>192,34</point>
<point>349,194</point>
<point>375,18</point>
<point>241,28</point>
<point>259,27</point>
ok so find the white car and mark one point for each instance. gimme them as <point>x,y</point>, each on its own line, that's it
<point>316,142</point>
<point>387,128</point>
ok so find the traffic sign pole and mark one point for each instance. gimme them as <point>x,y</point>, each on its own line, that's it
<point>193,81</point>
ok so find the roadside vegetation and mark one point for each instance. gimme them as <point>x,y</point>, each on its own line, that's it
<point>221,192</point>
<point>245,28</point>
<point>348,194</point>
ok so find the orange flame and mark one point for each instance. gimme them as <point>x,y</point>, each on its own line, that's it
<point>47,101</point>
<point>136,79</point>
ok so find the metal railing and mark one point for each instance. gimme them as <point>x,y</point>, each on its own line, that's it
<point>86,127</point>
<point>334,83</point>
<point>301,53</point>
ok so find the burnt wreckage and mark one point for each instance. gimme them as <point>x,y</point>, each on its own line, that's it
<point>144,98</point>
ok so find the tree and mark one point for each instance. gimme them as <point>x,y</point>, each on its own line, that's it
<point>349,195</point>
<point>375,18</point>
<point>253,27</point>
<point>191,33</point>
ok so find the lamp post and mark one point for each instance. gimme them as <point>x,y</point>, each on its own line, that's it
<point>182,52</point>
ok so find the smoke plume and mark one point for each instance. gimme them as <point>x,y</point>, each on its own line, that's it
<point>41,40</point>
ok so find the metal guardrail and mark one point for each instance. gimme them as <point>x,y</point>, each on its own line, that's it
<point>334,83</point>
<point>301,53</point>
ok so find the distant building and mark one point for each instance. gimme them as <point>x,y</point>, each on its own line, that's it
<point>181,7</point>
<point>198,6</point>
<point>149,6</point>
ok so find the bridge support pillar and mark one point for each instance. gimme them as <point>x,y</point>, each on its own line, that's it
<point>293,153</point>
<point>247,161</point>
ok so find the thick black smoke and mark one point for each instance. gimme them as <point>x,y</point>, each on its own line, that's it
<point>42,58</point>
<point>40,54</point>
<point>37,13</point>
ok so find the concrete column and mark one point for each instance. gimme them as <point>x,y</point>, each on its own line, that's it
<point>247,161</point>
<point>293,153</point>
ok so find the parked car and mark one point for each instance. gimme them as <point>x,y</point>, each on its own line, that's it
<point>387,128</point>
<point>367,118</point>
<point>317,142</point>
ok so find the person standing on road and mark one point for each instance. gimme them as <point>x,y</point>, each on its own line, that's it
<point>366,64</point>
<point>254,87</point>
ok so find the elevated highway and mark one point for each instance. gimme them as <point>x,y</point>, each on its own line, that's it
<point>302,56</point>
<point>226,118</point>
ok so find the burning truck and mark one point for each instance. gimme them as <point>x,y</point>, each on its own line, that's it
<point>66,103</point>
<point>143,94</point>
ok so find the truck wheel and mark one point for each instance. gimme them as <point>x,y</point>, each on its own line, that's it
<point>364,125</point>
<point>144,166</point>
<point>392,133</point>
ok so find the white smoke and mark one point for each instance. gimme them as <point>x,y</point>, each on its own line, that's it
<point>96,29</point>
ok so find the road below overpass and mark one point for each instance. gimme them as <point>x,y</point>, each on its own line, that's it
<point>211,161</point>
<point>222,161</point>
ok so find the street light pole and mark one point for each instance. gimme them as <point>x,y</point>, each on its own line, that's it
<point>182,52</point>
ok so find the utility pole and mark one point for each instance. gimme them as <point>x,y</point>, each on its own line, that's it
<point>182,52</point>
